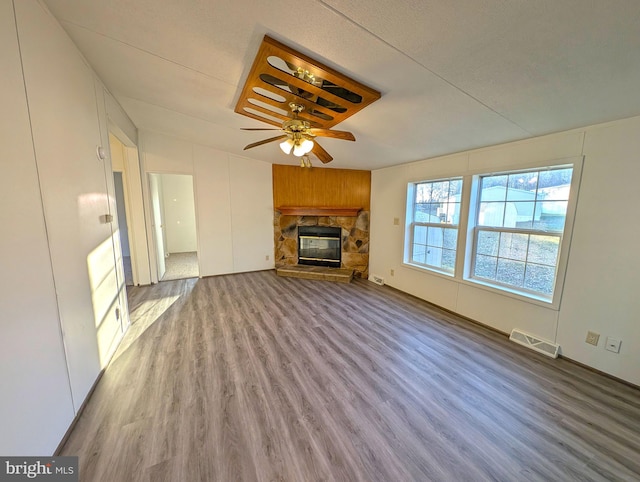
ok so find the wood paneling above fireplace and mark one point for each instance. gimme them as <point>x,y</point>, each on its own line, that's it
<point>321,188</point>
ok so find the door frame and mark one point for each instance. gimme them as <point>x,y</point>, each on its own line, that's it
<point>157,222</point>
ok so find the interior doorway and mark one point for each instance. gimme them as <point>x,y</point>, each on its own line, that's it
<point>174,226</point>
<point>129,211</point>
<point>123,228</point>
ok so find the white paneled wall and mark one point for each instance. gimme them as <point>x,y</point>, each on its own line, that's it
<point>603,282</point>
<point>213,210</point>
<point>62,100</point>
<point>234,202</point>
<point>601,285</point>
<point>35,406</point>
<point>61,278</point>
<point>251,214</point>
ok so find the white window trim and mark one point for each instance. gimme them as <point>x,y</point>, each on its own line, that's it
<point>466,226</point>
<point>561,265</point>
<point>409,223</point>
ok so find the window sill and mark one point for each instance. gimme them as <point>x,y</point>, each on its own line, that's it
<point>512,293</point>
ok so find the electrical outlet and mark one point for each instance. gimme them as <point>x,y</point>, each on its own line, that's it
<point>396,221</point>
<point>592,338</point>
<point>266,258</point>
<point>612,345</point>
<point>392,272</point>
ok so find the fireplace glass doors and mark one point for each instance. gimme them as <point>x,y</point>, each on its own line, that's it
<point>319,246</point>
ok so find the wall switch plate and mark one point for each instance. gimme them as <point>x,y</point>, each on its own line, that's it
<point>396,221</point>
<point>612,345</point>
<point>592,338</point>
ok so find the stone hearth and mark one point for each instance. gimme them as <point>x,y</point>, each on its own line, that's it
<point>337,275</point>
<point>355,239</point>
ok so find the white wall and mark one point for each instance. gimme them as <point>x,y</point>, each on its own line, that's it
<point>234,202</point>
<point>251,191</point>
<point>213,209</point>
<point>179,213</point>
<point>603,280</point>
<point>62,99</point>
<point>32,358</point>
<point>62,276</point>
<point>601,277</point>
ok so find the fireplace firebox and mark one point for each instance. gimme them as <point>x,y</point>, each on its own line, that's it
<point>319,246</point>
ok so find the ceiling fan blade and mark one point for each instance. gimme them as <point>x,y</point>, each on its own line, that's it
<point>259,129</point>
<point>265,141</point>
<point>321,154</point>
<point>344,135</point>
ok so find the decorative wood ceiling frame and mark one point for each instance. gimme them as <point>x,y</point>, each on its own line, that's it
<point>289,86</point>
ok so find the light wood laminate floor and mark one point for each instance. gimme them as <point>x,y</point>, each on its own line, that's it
<point>256,377</point>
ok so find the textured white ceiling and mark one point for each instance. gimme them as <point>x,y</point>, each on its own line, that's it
<point>454,75</point>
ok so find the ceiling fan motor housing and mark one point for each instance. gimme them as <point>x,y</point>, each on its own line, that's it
<point>295,125</point>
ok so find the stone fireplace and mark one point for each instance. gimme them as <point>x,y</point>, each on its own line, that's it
<point>354,243</point>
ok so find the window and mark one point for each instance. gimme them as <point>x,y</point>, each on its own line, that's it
<point>516,237</point>
<point>519,225</point>
<point>435,213</point>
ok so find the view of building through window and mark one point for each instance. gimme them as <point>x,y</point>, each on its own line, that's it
<point>436,215</point>
<point>517,224</point>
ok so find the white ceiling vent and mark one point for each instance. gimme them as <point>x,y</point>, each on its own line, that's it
<point>530,341</point>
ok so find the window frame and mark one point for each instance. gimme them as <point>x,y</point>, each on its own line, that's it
<point>469,206</point>
<point>552,301</point>
<point>412,223</point>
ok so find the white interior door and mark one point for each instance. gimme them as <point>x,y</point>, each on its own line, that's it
<point>155,184</point>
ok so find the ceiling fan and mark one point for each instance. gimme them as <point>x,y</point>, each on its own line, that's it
<point>299,137</point>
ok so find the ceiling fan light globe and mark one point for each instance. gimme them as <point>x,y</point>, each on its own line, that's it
<point>306,145</point>
<point>298,150</point>
<point>286,146</point>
